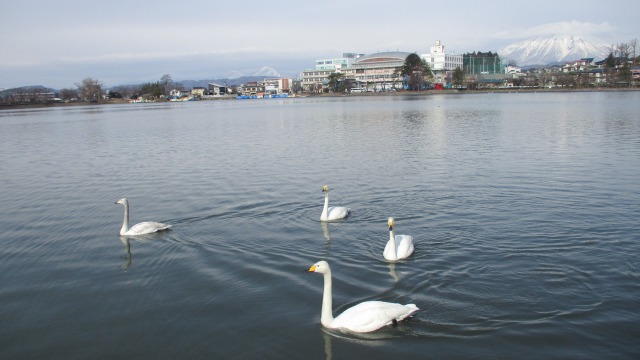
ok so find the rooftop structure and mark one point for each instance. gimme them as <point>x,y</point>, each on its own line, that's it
<point>337,63</point>
<point>380,70</point>
<point>442,64</point>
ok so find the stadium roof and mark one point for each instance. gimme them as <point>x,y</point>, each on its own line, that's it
<point>383,56</point>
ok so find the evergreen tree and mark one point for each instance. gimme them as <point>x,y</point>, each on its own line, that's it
<point>416,70</point>
<point>458,77</point>
<point>334,80</point>
<point>610,62</point>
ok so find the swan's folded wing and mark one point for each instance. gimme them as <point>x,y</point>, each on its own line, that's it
<point>405,245</point>
<point>147,227</point>
<point>337,212</point>
<point>372,315</point>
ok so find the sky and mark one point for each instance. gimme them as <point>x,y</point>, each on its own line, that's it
<point>59,43</point>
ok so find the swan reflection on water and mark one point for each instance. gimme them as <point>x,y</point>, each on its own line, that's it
<point>392,271</point>
<point>378,338</point>
<point>325,231</point>
<point>127,249</point>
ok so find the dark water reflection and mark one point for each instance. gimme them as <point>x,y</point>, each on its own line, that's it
<point>523,208</point>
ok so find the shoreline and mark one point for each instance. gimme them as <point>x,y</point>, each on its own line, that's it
<point>396,93</point>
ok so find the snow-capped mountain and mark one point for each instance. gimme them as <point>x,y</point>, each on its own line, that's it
<point>553,49</point>
<point>267,71</point>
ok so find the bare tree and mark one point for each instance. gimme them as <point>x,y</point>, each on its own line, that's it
<point>633,45</point>
<point>23,95</point>
<point>68,94</point>
<point>90,89</point>
<point>166,82</point>
<point>34,95</point>
<point>623,50</point>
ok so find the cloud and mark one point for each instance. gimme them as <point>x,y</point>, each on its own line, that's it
<point>583,29</point>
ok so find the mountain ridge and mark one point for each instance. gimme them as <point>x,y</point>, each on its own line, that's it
<point>552,49</point>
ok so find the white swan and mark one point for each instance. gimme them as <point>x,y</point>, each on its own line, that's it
<point>399,246</point>
<point>366,316</point>
<point>332,213</point>
<point>142,228</point>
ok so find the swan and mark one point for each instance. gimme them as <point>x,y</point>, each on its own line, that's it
<point>329,212</point>
<point>364,317</point>
<point>399,246</point>
<point>142,228</point>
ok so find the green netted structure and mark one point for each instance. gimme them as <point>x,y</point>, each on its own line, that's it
<point>482,63</point>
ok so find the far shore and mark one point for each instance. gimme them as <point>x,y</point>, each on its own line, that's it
<point>388,93</point>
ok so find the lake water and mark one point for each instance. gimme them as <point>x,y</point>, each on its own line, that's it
<point>524,209</point>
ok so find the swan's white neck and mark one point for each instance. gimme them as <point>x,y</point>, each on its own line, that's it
<point>325,210</point>
<point>327,307</point>
<point>125,223</point>
<point>392,241</point>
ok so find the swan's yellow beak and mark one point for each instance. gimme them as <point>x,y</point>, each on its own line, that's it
<point>325,188</point>
<point>312,269</point>
<point>390,222</point>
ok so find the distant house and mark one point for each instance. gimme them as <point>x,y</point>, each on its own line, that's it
<point>178,93</point>
<point>252,87</point>
<point>277,85</point>
<point>578,65</point>
<point>198,91</point>
<point>512,69</point>
<point>217,90</point>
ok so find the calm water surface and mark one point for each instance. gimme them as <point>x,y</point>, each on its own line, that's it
<point>524,209</point>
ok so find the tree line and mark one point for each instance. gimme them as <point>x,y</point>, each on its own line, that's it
<point>88,90</point>
<point>91,90</point>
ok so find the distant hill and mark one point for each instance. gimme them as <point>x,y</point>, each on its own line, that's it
<point>552,49</point>
<point>187,84</point>
<point>229,82</point>
<point>236,78</point>
<point>27,90</point>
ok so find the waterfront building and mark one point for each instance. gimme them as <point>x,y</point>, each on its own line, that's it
<point>217,89</point>
<point>337,63</point>
<point>380,71</point>
<point>250,88</point>
<point>277,85</point>
<point>179,93</point>
<point>315,79</point>
<point>198,91</point>
<point>442,64</point>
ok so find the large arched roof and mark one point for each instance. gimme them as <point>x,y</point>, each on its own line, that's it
<point>383,56</point>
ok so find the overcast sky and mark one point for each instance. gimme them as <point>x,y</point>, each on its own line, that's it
<point>59,43</point>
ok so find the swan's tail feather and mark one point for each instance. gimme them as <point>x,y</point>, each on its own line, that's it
<point>414,309</point>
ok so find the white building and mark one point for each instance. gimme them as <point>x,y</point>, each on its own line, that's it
<point>315,79</point>
<point>379,71</point>
<point>442,64</point>
<point>337,63</point>
<point>277,85</point>
<point>512,69</point>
